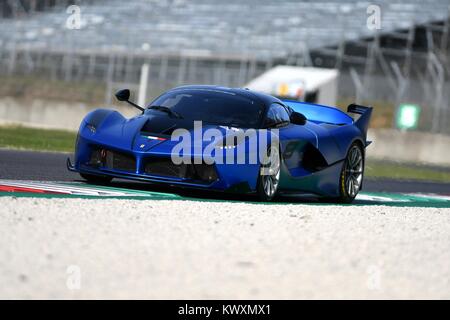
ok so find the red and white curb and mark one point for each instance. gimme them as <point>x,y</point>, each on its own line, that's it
<point>73,188</point>
<point>82,189</point>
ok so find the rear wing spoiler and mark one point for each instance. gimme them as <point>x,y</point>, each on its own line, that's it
<point>319,113</point>
<point>362,123</point>
<point>326,114</point>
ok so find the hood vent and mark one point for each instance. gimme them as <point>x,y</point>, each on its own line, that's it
<point>156,127</point>
<point>165,125</point>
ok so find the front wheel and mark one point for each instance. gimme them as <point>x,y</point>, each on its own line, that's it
<point>352,174</point>
<point>96,179</point>
<point>269,175</point>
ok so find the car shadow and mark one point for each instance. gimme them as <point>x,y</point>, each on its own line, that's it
<point>210,195</point>
<point>307,199</point>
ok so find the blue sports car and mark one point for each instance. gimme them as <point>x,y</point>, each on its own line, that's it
<point>228,139</point>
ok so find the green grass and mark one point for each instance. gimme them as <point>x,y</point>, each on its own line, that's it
<point>18,137</point>
<point>391,170</point>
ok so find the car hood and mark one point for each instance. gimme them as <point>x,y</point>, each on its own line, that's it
<point>145,132</point>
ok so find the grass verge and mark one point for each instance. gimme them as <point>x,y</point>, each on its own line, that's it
<point>19,137</point>
<point>393,170</point>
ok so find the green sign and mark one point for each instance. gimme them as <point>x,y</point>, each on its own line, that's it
<point>408,116</point>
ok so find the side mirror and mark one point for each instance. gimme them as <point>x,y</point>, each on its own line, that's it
<point>123,95</point>
<point>297,118</point>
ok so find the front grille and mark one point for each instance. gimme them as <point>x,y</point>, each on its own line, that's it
<point>112,160</point>
<point>165,167</point>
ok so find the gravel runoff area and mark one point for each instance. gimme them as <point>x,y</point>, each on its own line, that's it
<point>79,248</point>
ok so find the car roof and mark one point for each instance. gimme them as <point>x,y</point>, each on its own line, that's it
<point>263,98</point>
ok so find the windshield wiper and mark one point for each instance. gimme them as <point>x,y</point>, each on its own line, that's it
<point>166,110</point>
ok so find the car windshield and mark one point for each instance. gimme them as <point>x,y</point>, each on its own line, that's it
<point>213,107</point>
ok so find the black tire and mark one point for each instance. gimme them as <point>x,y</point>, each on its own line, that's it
<point>352,174</point>
<point>267,185</point>
<point>94,179</point>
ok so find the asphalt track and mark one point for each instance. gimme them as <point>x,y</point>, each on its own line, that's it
<point>51,166</point>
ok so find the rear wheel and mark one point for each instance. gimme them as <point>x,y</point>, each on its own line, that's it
<point>91,178</point>
<point>352,174</point>
<point>269,175</point>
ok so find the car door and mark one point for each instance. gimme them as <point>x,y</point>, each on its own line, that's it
<point>319,137</point>
<point>293,138</point>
